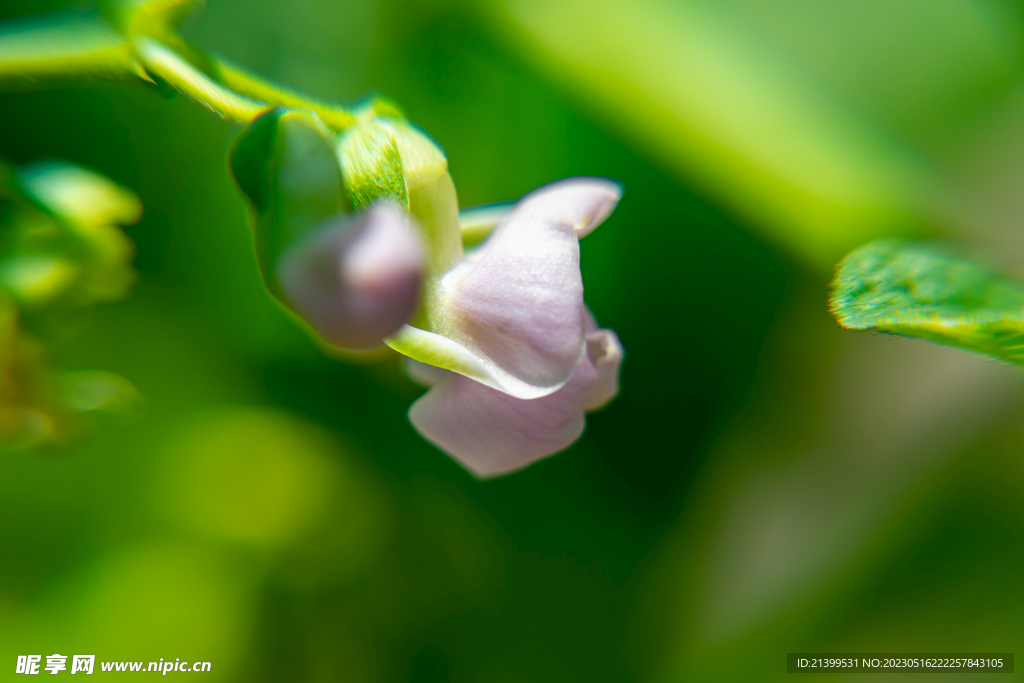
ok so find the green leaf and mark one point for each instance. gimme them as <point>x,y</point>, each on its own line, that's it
<point>79,195</point>
<point>37,279</point>
<point>97,391</point>
<point>63,247</point>
<point>63,46</point>
<point>921,290</point>
<point>372,166</point>
<point>284,163</point>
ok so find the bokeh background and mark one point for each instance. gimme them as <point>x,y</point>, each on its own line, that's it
<point>765,483</point>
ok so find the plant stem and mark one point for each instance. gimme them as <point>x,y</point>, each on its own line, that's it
<point>64,46</point>
<point>253,86</point>
<point>163,62</point>
<point>72,45</point>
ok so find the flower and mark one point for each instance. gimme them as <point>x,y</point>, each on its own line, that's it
<point>332,242</point>
<point>492,433</point>
<point>517,359</point>
<point>359,235</point>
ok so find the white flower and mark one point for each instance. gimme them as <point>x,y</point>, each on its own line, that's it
<point>492,433</point>
<point>501,332</point>
<point>524,359</point>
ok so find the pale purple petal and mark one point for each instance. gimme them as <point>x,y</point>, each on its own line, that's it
<point>517,304</point>
<point>583,202</point>
<point>604,351</point>
<point>356,282</point>
<point>492,433</point>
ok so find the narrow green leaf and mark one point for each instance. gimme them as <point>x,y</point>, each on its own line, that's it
<point>921,290</point>
<point>284,163</point>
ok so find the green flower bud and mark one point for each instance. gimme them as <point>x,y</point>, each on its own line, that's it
<point>285,163</point>
<point>390,158</point>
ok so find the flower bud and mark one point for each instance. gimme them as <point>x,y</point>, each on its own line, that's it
<point>390,158</point>
<point>356,281</point>
<point>284,162</point>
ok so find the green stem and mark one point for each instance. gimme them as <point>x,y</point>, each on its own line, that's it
<point>161,61</point>
<point>253,86</point>
<point>64,46</point>
<point>70,46</point>
<point>226,89</point>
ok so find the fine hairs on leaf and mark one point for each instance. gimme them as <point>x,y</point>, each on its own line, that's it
<point>923,290</point>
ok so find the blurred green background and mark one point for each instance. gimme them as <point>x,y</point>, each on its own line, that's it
<point>763,484</point>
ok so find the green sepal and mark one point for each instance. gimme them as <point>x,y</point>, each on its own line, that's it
<point>285,164</point>
<point>372,165</point>
<point>378,105</point>
<point>921,290</point>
